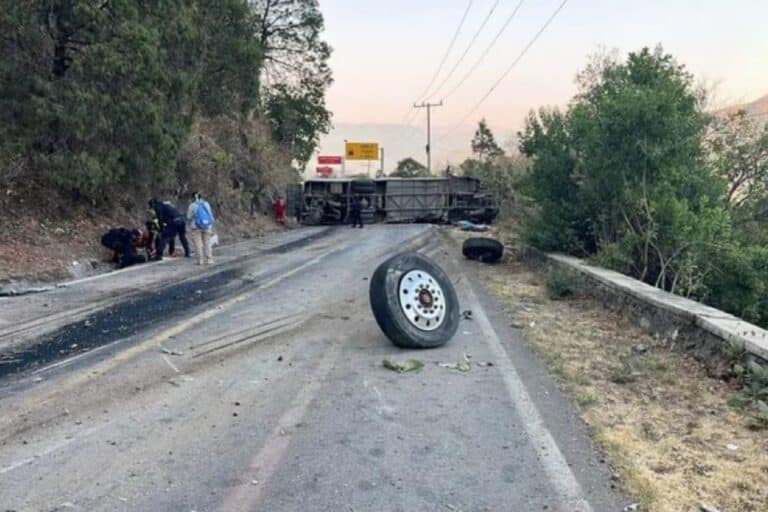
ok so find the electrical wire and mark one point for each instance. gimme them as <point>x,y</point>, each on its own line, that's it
<point>486,52</point>
<point>448,50</point>
<point>408,118</point>
<point>466,50</point>
<point>510,68</point>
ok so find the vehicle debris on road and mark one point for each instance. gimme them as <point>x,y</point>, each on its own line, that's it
<point>414,301</point>
<point>486,250</point>
<point>409,365</point>
<point>466,225</point>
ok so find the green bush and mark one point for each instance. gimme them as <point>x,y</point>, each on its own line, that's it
<point>562,282</point>
<point>624,176</point>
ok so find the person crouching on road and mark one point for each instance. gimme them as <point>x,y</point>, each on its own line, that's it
<point>200,220</point>
<point>173,224</point>
<point>124,243</point>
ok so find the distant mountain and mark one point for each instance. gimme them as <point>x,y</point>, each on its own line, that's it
<point>757,109</point>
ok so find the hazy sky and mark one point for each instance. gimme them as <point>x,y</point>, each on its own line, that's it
<point>386,52</point>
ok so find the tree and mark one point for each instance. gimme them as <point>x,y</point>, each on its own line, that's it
<point>296,72</point>
<point>99,97</point>
<point>737,148</point>
<point>410,168</point>
<point>230,59</point>
<point>297,116</point>
<point>631,161</point>
<point>484,144</point>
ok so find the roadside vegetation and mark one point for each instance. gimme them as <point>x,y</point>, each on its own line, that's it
<point>106,104</point>
<point>675,439</point>
<point>636,175</point>
<point>112,102</point>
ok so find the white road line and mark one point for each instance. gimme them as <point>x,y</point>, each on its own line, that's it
<point>552,460</point>
<point>52,448</point>
<point>168,361</point>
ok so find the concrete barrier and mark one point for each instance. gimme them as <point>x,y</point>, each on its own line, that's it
<point>679,321</point>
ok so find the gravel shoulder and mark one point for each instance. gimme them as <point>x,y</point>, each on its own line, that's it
<point>671,437</point>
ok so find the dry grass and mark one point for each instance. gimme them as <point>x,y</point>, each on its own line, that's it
<point>665,425</point>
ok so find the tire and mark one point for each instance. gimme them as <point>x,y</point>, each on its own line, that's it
<point>362,187</point>
<point>398,317</point>
<point>486,250</point>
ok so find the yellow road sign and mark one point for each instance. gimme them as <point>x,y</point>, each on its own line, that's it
<point>362,150</point>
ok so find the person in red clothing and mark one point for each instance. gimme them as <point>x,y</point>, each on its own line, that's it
<point>279,209</point>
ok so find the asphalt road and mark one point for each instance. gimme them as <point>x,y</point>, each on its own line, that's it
<point>257,385</point>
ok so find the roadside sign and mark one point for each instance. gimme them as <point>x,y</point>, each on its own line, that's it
<point>362,150</point>
<point>324,170</point>
<point>329,160</point>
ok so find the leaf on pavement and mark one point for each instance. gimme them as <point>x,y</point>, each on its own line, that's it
<point>403,366</point>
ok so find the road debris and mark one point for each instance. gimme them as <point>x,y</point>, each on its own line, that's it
<point>466,225</point>
<point>408,365</point>
<point>631,508</point>
<point>462,366</point>
<point>466,314</point>
<point>484,364</point>
<point>171,352</point>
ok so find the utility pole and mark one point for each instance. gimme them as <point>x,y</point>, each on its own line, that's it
<point>429,106</point>
<point>381,166</point>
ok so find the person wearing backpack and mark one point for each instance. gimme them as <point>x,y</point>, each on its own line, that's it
<point>200,220</point>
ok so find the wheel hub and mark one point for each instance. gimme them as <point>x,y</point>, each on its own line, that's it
<point>422,300</point>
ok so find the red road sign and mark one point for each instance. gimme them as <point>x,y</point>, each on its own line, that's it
<point>324,170</point>
<point>329,160</point>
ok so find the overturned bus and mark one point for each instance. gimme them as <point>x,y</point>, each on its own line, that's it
<point>437,200</point>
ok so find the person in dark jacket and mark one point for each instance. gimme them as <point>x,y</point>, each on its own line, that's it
<point>172,224</point>
<point>356,212</point>
<point>125,244</point>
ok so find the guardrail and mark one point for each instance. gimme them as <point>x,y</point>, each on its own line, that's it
<point>679,321</point>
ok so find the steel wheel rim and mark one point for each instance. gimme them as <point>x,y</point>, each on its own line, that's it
<point>422,300</point>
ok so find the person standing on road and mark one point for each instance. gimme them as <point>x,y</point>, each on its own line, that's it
<point>279,209</point>
<point>356,212</point>
<point>172,223</point>
<point>200,220</point>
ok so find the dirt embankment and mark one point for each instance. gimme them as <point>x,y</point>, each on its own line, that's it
<point>670,435</point>
<point>44,241</point>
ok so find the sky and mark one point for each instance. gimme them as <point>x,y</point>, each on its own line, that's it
<point>386,53</point>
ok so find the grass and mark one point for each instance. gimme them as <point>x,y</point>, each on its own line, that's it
<point>662,422</point>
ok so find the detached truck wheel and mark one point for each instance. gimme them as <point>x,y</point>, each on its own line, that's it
<point>414,301</point>
<point>486,250</point>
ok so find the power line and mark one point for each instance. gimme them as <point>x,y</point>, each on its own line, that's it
<point>511,66</point>
<point>486,52</point>
<point>466,50</point>
<point>448,50</point>
<point>408,113</point>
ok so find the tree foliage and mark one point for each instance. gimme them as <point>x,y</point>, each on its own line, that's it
<point>624,175</point>
<point>98,98</point>
<point>484,144</point>
<point>410,168</point>
<point>296,73</point>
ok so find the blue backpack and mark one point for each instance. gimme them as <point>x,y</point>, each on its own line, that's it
<point>203,217</point>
